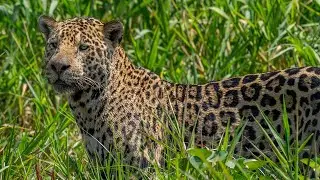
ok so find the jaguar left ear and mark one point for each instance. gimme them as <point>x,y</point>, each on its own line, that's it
<point>113,31</point>
<point>46,25</point>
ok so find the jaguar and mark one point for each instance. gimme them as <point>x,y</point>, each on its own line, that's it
<point>120,107</point>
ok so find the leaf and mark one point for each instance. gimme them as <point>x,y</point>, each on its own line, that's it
<point>53,6</point>
<point>26,4</point>
<point>203,154</point>
<point>4,168</point>
<point>281,53</point>
<point>286,126</point>
<point>220,12</point>
<point>236,138</point>
<point>44,5</point>
<point>265,178</point>
<point>253,164</point>
<point>201,159</point>
<point>217,156</point>
<point>183,164</point>
<point>154,49</point>
<point>278,139</point>
<point>231,164</point>
<point>140,34</point>
<point>196,162</point>
<point>314,165</point>
<point>226,138</point>
<point>304,143</point>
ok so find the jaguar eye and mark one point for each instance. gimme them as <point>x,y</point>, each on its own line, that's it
<point>53,45</point>
<point>83,47</point>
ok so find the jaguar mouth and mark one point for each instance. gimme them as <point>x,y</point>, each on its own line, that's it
<point>60,83</point>
<point>62,87</point>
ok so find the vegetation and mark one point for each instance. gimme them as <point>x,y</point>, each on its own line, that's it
<point>182,41</point>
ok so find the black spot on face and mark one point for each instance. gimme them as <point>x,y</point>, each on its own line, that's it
<point>77,96</point>
<point>100,110</point>
<point>82,104</point>
<point>72,107</point>
<point>156,85</point>
<point>147,94</point>
<point>153,76</point>
<point>91,131</point>
<point>229,83</point>
<point>95,94</point>
<point>99,52</point>
<point>103,138</point>
<point>110,133</point>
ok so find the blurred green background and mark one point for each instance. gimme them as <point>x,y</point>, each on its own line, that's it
<point>183,41</point>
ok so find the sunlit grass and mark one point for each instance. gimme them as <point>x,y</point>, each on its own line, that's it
<point>182,41</point>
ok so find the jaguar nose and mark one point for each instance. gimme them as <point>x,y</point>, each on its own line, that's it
<point>59,66</point>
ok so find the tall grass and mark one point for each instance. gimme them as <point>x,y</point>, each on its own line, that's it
<point>182,41</point>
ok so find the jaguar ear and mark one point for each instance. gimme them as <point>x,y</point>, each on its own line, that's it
<point>46,25</point>
<point>113,31</point>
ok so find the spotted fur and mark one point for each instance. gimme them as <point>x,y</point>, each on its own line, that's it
<point>118,106</point>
